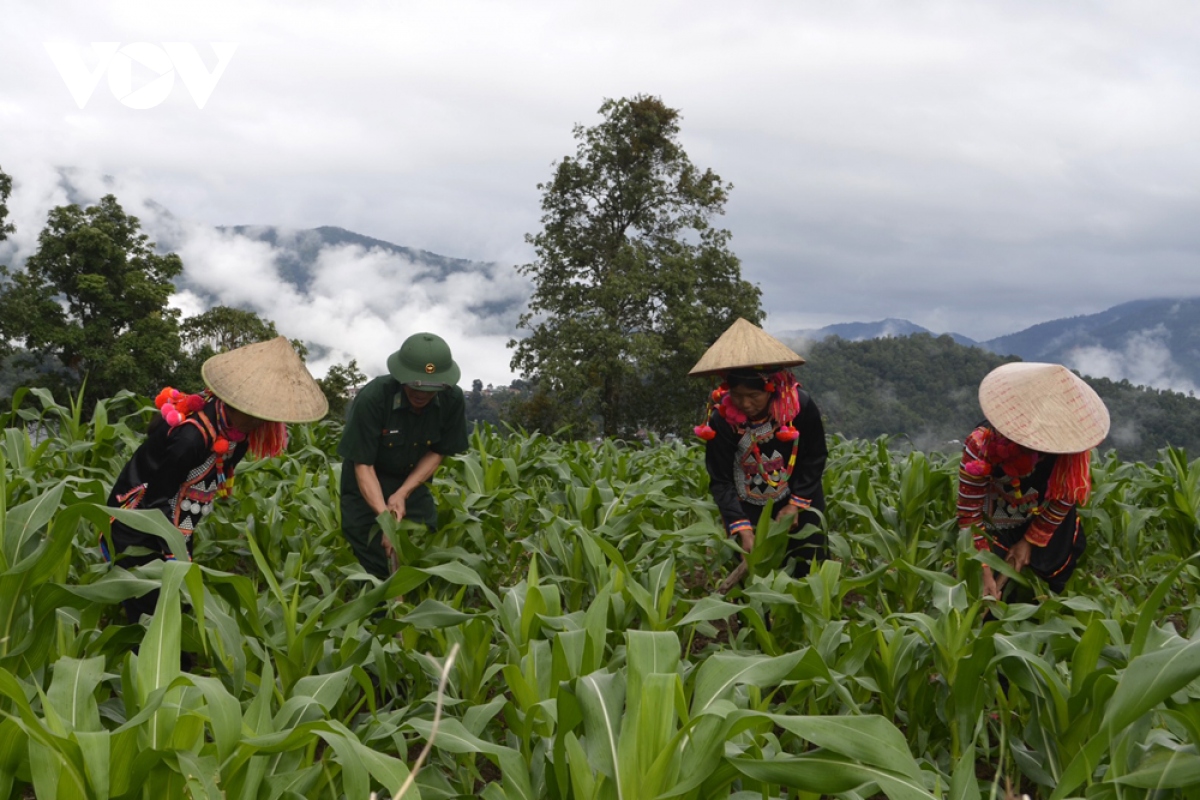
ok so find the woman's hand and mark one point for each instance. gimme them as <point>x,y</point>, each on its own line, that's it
<point>1020,554</point>
<point>747,539</point>
<point>789,512</point>
<point>990,587</point>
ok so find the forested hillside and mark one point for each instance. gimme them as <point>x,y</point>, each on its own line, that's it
<point>924,389</point>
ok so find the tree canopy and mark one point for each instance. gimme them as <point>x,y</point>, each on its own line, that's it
<point>5,190</point>
<point>94,295</point>
<point>216,330</point>
<point>632,282</point>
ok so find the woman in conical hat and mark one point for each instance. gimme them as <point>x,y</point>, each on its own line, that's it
<point>1027,468</point>
<point>763,440</point>
<point>195,441</point>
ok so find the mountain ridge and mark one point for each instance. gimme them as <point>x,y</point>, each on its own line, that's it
<point>1151,341</point>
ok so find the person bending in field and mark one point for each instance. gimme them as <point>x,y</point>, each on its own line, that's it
<point>195,441</point>
<point>399,428</point>
<point>764,440</point>
<point>1027,468</point>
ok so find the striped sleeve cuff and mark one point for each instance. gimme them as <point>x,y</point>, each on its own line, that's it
<point>802,503</point>
<point>739,525</point>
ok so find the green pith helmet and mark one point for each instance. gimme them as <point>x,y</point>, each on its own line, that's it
<point>423,362</point>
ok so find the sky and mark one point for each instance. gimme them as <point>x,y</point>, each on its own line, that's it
<point>971,167</point>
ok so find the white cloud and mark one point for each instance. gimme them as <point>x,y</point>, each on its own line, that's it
<point>888,160</point>
<point>1144,360</point>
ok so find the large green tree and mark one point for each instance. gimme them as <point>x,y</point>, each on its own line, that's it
<point>339,384</point>
<point>5,190</point>
<point>94,296</point>
<point>216,330</point>
<point>5,229</point>
<point>632,281</point>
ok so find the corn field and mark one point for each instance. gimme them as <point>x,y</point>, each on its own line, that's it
<point>596,658</point>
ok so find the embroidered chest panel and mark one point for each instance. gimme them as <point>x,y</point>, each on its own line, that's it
<point>1008,506</point>
<point>196,496</point>
<point>761,474</point>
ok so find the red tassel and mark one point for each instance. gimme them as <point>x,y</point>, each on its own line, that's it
<point>1071,478</point>
<point>705,432</point>
<point>269,439</point>
<point>787,433</point>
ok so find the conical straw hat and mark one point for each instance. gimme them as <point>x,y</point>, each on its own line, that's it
<point>1044,407</point>
<point>745,346</point>
<point>266,380</point>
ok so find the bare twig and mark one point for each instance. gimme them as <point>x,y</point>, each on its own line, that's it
<point>735,577</point>
<point>437,719</point>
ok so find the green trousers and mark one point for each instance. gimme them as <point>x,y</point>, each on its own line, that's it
<point>367,540</point>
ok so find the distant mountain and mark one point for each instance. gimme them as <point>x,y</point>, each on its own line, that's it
<point>1155,342</point>
<point>298,250</point>
<point>301,249</point>
<point>1152,343</point>
<point>925,391</point>
<point>862,331</point>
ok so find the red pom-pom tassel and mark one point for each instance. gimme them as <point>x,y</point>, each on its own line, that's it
<point>705,432</point>
<point>787,433</point>
<point>977,468</point>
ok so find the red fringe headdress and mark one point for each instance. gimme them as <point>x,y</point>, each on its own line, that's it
<point>1070,479</point>
<point>783,406</point>
<point>267,440</point>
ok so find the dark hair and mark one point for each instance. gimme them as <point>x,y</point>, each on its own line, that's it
<point>747,378</point>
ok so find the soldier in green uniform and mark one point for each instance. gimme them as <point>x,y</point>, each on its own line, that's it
<point>399,429</point>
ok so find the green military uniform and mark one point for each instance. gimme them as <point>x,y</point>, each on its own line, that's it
<point>385,431</point>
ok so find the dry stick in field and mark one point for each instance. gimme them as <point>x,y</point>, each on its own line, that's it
<point>734,578</point>
<point>437,719</point>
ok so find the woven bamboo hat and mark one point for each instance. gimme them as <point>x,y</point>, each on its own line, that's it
<point>266,380</point>
<point>1044,407</point>
<point>745,346</point>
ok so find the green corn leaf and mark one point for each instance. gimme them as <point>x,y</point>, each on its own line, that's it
<point>1166,769</point>
<point>829,773</point>
<point>327,689</point>
<point>708,609</point>
<point>721,672</point>
<point>431,614</point>
<point>199,773</point>
<point>868,739</point>
<point>360,763</point>
<point>158,658</point>
<point>22,523</point>
<point>646,653</point>
<point>583,783</point>
<point>1147,681</point>
<point>55,774</point>
<point>153,522</point>
<point>95,748</point>
<point>72,692</point>
<point>1150,610</point>
<point>224,713</point>
<point>602,698</point>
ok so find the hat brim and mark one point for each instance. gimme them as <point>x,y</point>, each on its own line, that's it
<point>266,380</point>
<point>425,381</point>
<point>744,345</point>
<point>1044,407</point>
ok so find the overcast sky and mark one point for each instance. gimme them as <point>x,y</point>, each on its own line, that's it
<point>972,167</point>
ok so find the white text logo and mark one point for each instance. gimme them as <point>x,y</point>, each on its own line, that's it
<point>118,61</point>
